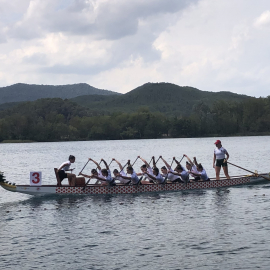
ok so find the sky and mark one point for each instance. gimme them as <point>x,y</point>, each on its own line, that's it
<point>119,45</point>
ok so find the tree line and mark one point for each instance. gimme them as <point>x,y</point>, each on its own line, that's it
<point>61,120</point>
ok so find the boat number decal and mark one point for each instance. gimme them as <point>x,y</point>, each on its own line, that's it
<point>36,175</point>
<point>35,178</point>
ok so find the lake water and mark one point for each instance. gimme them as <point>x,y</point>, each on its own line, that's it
<point>207,229</point>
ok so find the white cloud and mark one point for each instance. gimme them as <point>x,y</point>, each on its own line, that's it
<point>104,19</point>
<point>119,44</point>
<point>263,20</point>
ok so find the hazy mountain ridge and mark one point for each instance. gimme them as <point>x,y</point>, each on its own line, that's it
<point>29,92</point>
<point>167,98</point>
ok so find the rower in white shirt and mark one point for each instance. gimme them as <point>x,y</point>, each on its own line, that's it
<point>165,172</point>
<point>192,168</point>
<point>180,171</point>
<point>146,168</point>
<point>158,179</point>
<point>95,172</point>
<point>201,173</point>
<point>133,176</point>
<point>122,173</point>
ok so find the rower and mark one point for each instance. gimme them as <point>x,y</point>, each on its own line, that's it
<point>201,173</point>
<point>133,176</point>
<point>192,168</point>
<point>165,172</point>
<point>146,168</point>
<point>94,172</point>
<point>106,175</point>
<point>156,176</point>
<point>180,171</point>
<point>122,173</point>
<point>64,167</point>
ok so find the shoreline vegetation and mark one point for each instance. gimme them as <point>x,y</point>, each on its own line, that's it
<point>17,141</point>
<point>210,136</point>
<point>48,120</point>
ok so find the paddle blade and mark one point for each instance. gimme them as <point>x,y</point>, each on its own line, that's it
<point>139,181</point>
<point>86,185</point>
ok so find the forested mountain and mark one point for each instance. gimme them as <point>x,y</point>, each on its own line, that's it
<point>150,111</point>
<point>167,98</point>
<point>29,92</point>
<point>59,120</point>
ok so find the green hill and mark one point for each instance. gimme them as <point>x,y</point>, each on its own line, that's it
<point>29,92</point>
<point>58,120</point>
<point>167,98</point>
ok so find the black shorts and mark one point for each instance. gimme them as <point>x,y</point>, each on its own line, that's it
<point>197,178</point>
<point>112,183</point>
<point>177,180</point>
<point>62,174</point>
<point>220,162</point>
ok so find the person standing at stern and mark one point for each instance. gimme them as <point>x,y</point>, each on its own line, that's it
<point>220,160</point>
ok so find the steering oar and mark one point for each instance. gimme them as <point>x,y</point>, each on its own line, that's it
<point>256,174</point>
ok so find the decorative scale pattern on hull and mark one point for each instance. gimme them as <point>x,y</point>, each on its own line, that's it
<point>150,187</point>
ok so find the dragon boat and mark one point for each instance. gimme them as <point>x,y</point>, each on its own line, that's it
<point>94,189</point>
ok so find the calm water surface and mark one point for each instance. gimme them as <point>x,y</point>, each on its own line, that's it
<point>207,229</point>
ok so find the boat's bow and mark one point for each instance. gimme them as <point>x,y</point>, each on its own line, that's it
<point>5,184</point>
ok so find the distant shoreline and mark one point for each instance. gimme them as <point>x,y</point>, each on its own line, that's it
<point>212,135</point>
<point>17,141</point>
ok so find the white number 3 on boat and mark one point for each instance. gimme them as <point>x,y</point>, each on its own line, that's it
<point>35,178</point>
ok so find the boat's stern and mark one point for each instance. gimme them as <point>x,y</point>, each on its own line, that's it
<point>5,184</point>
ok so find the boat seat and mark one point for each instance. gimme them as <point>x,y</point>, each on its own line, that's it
<point>80,181</point>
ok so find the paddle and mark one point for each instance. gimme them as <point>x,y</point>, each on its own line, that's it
<point>177,161</point>
<point>172,162</point>
<point>112,182</point>
<point>158,159</point>
<point>165,180</point>
<point>249,171</point>
<point>139,182</point>
<point>150,161</point>
<point>154,164</point>
<point>84,167</point>
<point>110,163</point>
<point>134,161</point>
<point>125,166</point>
<point>89,179</point>
<point>181,159</point>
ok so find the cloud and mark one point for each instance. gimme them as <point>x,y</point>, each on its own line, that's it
<point>104,19</point>
<point>263,20</point>
<point>36,59</point>
<point>119,44</point>
<point>132,27</point>
<point>216,51</point>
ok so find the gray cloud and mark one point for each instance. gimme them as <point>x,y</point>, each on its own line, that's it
<point>74,68</point>
<point>111,20</point>
<point>115,22</point>
<point>36,59</point>
<point>125,49</point>
<point>212,45</point>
